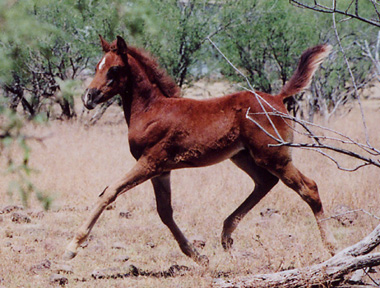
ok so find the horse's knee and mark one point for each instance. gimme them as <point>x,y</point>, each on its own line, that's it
<point>107,196</point>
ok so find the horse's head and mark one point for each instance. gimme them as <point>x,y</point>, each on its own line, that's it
<point>110,74</point>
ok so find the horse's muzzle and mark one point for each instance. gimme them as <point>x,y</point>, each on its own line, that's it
<point>91,98</point>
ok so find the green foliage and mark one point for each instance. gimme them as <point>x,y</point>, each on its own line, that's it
<point>267,38</point>
<point>264,40</point>
<point>359,10</point>
<point>47,42</point>
<point>44,46</point>
<point>15,150</point>
<point>184,26</point>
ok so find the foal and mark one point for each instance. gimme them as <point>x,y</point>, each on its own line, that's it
<point>167,132</point>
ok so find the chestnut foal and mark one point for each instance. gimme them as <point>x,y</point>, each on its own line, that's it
<point>167,132</point>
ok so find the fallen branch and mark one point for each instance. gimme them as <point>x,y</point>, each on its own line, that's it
<point>327,273</point>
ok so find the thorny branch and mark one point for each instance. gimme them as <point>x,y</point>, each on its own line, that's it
<point>258,97</point>
<point>319,145</point>
<point>373,56</point>
<point>318,7</point>
<point>357,96</point>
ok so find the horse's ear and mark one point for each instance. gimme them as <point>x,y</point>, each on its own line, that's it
<point>121,46</point>
<point>105,45</point>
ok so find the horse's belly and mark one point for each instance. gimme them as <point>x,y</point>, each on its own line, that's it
<point>204,156</point>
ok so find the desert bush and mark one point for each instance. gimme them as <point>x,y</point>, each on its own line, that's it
<point>15,155</point>
<point>184,27</point>
<point>44,47</point>
<point>265,41</point>
<point>45,44</point>
<point>53,43</point>
<point>356,28</point>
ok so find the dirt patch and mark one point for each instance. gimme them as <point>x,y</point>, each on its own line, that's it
<point>76,163</point>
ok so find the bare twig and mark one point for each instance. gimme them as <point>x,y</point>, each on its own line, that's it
<point>357,96</point>
<point>319,145</point>
<point>325,9</point>
<point>230,63</point>
<point>305,124</point>
<point>374,57</point>
<point>258,97</point>
<point>350,212</point>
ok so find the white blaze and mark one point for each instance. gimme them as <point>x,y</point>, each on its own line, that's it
<point>102,63</point>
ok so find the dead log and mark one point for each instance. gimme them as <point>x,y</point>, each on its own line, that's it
<point>328,273</point>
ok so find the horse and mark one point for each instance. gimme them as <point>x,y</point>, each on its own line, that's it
<point>167,132</point>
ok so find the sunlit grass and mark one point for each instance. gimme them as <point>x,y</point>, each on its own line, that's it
<point>75,164</point>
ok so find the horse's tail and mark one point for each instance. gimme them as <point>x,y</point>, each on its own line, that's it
<point>308,64</point>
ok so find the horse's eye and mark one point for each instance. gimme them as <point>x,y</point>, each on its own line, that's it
<point>113,72</point>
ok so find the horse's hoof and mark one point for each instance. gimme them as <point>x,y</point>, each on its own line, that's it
<point>69,255</point>
<point>227,243</point>
<point>331,248</point>
<point>202,260</point>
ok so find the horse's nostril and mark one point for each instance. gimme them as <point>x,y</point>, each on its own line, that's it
<point>90,98</point>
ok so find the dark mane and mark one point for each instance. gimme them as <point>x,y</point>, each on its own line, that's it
<point>157,75</point>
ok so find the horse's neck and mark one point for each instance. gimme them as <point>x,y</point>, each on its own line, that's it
<point>140,92</point>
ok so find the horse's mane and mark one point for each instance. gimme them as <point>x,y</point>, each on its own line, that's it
<point>156,74</point>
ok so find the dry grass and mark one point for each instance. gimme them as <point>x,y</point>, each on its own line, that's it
<point>75,164</point>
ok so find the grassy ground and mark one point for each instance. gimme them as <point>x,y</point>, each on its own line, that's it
<point>75,164</point>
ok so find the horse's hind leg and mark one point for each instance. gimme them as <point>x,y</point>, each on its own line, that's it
<point>161,185</point>
<point>308,191</point>
<point>264,182</point>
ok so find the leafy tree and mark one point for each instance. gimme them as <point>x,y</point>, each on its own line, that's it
<point>356,27</point>
<point>12,135</point>
<point>57,42</point>
<point>264,40</point>
<point>51,44</point>
<point>267,39</point>
<point>13,29</point>
<point>43,48</point>
<point>184,26</point>
<point>55,54</point>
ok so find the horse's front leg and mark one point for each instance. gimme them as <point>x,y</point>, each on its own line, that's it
<point>161,185</point>
<point>138,174</point>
